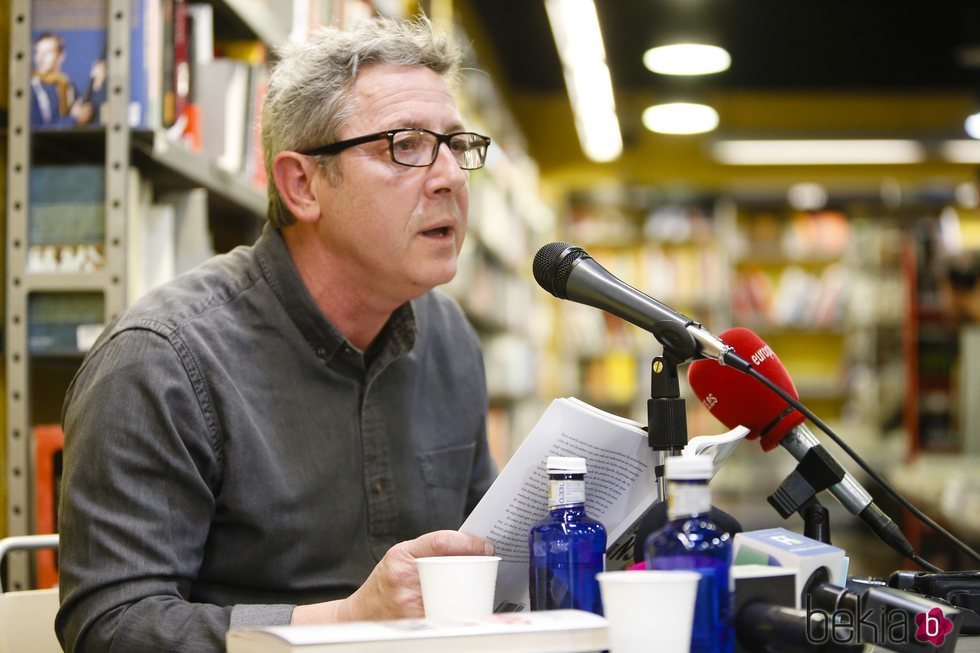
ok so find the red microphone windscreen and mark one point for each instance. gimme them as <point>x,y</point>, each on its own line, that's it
<point>736,398</point>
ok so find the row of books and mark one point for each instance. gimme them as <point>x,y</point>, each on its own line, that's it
<point>797,298</point>
<point>167,233</point>
<point>204,93</point>
<point>812,235</point>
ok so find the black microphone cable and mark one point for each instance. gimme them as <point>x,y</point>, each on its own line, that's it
<point>877,478</point>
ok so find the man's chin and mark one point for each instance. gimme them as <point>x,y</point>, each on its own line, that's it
<point>438,276</point>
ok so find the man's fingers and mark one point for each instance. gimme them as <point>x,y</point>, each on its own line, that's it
<point>448,543</point>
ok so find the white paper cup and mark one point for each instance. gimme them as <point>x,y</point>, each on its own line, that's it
<point>649,610</point>
<point>457,587</point>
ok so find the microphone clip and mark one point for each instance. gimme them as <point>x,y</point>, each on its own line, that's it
<point>666,409</point>
<point>815,472</point>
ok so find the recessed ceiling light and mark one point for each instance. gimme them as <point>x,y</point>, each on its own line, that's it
<point>680,118</point>
<point>972,125</point>
<point>807,196</point>
<point>687,59</point>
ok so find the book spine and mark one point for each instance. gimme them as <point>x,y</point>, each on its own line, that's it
<point>138,73</point>
<point>168,75</point>
<point>182,74</point>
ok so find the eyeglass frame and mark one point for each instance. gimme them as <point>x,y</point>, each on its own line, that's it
<point>389,134</point>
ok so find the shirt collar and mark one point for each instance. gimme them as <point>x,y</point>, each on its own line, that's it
<point>396,338</point>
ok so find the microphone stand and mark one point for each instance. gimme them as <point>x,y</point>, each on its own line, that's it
<point>666,414</point>
<point>816,520</point>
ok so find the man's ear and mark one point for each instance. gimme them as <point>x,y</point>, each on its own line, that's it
<point>294,175</point>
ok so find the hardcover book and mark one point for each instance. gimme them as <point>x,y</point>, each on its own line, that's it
<point>548,631</point>
<point>69,69</point>
<point>66,219</point>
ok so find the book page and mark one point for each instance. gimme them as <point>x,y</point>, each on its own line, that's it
<point>718,447</point>
<point>620,483</point>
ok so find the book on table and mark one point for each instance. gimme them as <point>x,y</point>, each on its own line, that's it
<point>550,631</point>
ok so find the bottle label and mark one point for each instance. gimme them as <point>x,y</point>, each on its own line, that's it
<point>565,493</point>
<point>685,499</point>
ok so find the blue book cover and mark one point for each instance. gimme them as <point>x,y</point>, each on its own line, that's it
<point>68,63</point>
<point>67,205</point>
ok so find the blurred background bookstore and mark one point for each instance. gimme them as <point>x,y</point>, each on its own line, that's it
<point>813,181</point>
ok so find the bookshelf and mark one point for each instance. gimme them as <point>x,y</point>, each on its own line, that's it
<point>508,220</point>
<point>669,247</point>
<point>938,402</point>
<point>55,306</point>
<point>145,163</point>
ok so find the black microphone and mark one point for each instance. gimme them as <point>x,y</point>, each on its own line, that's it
<point>567,272</point>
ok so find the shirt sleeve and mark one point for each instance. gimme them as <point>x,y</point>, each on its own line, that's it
<point>142,465</point>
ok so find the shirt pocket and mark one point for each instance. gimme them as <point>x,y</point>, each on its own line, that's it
<point>446,473</point>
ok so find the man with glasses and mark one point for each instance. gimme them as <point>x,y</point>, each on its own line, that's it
<point>276,435</point>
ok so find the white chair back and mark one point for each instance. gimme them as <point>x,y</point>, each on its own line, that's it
<point>27,616</point>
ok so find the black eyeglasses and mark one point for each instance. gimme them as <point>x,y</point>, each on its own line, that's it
<point>418,148</point>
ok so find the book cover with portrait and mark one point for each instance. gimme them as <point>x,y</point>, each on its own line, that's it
<point>69,71</point>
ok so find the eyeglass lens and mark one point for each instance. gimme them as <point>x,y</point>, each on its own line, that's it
<point>420,148</point>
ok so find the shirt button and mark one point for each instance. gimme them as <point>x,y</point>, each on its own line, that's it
<point>377,487</point>
<point>321,351</point>
<point>347,350</point>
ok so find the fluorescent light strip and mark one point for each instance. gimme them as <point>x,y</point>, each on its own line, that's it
<point>817,152</point>
<point>965,151</point>
<point>575,25</point>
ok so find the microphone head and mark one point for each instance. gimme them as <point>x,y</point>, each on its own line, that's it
<point>735,398</point>
<point>552,265</point>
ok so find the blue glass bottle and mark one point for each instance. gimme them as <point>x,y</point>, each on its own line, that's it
<point>690,540</point>
<point>568,548</point>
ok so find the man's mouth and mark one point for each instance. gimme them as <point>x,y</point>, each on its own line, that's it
<point>438,232</point>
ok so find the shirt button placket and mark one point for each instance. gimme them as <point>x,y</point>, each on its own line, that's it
<point>382,509</point>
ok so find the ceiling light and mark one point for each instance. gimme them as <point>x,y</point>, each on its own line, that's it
<point>575,25</point>
<point>972,125</point>
<point>807,196</point>
<point>680,118</point>
<point>817,152</point>
<point>967,195</point>
<point>961,151</point>
<point>687,59</point>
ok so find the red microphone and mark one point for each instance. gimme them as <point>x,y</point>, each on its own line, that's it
<point>734,398</point>
<point>737,399</point>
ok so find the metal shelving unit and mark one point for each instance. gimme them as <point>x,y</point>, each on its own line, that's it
<point>156,157</point>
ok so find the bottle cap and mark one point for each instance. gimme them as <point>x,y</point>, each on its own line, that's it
<point>693,468</point>
<point>565,465</point>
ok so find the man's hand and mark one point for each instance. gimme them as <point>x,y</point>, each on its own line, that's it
<point>392,591</point>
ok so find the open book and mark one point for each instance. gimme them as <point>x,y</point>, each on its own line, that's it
<point>620,486</point>
<point>549,631</point>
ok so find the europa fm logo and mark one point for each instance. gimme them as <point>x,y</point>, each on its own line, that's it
<point>932,627</point>
<point>882,626</point>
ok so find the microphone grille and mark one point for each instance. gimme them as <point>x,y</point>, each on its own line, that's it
<point>549,265</point>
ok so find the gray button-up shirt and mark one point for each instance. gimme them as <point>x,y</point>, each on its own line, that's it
<point>229,455</point>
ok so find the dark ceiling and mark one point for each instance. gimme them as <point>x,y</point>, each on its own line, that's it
<point>800,68</point>
<point>775,44</point>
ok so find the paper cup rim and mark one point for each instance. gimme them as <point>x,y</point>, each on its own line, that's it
<point>449,560</point>
<point>644,575</point>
